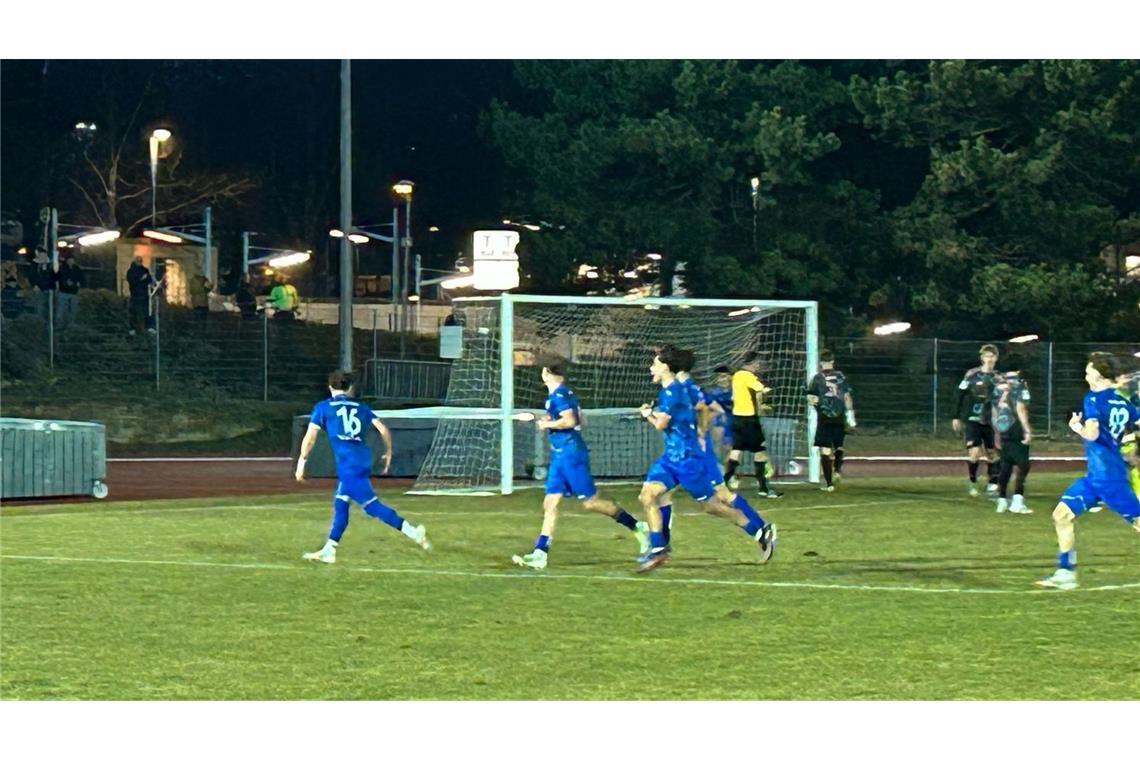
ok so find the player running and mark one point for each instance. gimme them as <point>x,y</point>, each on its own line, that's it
<point>684,465</point>
<point>705,412</point>
<point>1010,417</point>
<point>830,394</point>
<point>344,420</point>
<point>1105,418</point>
<point>974,395</point>
<point>569,471</point>
<point>719,396</point>
<point>747,433</point>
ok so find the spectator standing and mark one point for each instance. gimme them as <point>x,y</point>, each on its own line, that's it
<point>245,299</point>
<point>200,288</point>
<point>44,283</point>
<point>69,280</point>
<point>139,281</point>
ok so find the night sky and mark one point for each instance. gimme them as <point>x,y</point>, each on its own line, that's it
<point>414,120</point>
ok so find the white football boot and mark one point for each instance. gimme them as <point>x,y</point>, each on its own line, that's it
<point>1065,580</point>
<point>1018,506</point>
<point>536,560</point>
<point>326,555</point>
<point>1002,504</point>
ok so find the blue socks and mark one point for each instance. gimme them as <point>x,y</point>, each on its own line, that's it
<point>656,541</point>
<point>666,518</point>
<point>339,520</point>
<point>1067,560</point>
<point>755,521</point>
<point>543,543</point>
<point>385,514</point>
<point>625,519</point>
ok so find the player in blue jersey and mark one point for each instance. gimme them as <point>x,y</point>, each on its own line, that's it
<point>569,471</point>
<point>705,410</point>
<point>344,420</point>
<point>1102,423</point>
<point>1128,386</point>
<point>719,395</point>
<point>683,464</point>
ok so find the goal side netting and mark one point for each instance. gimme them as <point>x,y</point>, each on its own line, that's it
<point>479,445</point>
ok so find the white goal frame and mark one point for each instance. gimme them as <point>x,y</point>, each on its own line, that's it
<point>506,412</point>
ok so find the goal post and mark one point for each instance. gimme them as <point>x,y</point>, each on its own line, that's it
<point>482,442</point>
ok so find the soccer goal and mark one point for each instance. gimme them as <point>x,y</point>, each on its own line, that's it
<point>484,441</point>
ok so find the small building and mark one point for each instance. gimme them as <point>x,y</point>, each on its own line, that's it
<point>176,262</point>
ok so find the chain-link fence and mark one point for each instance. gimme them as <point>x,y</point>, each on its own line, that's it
<point>906,386</point>
<point>911,385</point>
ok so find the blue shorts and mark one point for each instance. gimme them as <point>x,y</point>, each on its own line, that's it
<point>712,468</point>
<point>690,473</point>
<point>1116,494</point>
<point>569,475</point>
<point>355,484</point>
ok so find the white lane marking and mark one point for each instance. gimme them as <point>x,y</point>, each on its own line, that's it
<point>556,576</point>
<point>528,511</point>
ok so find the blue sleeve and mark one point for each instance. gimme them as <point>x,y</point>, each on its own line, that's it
<point>318,415</point>
<point>559,402</point>
<point>365,415</point>
<point>1090,406</point>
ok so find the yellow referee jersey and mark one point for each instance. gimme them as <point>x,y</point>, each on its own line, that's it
<point>744,386</point>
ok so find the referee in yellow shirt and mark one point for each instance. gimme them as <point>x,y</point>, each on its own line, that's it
<point>747,434</point>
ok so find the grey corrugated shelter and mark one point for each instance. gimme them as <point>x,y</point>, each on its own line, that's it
<point>52,458</point>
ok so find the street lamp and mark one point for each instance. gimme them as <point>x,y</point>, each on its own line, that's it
<point>755,182</point>
<point>157,138</point>
<point>404,188</point>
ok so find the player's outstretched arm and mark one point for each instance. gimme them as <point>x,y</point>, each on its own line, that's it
<point>307,444</point>
<point>386,437</point>
<point>1023,416</point>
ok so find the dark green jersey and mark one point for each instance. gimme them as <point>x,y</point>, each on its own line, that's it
<point>831,388</point>
<point>1009,391</point>
<point>975,394</point>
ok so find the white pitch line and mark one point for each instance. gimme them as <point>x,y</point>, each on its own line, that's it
<point>532,577</point>
<point>522,512</point>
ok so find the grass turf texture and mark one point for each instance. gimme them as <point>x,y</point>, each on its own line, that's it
<point>885,589</point>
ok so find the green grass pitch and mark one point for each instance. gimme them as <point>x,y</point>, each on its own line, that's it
<point>885,589</point>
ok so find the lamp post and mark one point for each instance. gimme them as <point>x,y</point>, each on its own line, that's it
<point>157,138</point>
<point>404,188</point>
<point>755,212</point>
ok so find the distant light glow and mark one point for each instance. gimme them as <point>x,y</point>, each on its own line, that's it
<point>358,238</point>
<point>269,270</point>
<point>1024,338</point>
<point>403,187</point>
<point>630,275</point>
<point>892,329</point>
<point>591,275</point>
<point>336,233</point>
<point>653,256</point>
<point>738,312</point>
<point>165,237</point>
<point>96,238</point>
<point>22,250</point>
<point>506,221</point>
<point>289,260</point>
<point>533,227</point>
<point>458,282</point>
<point>62,244</point>
<point>755,182</point>
<point>463,268</point>
<point>433,228</point>
<point>162,135</point>
<point>413,298</point>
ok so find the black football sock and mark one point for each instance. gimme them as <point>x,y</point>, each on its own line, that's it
<point>731,469</point>
<point>825,460</point>
<point>973,468</point>
<point>839,460</point>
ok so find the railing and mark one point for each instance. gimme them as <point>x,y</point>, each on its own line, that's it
<point>406,381</point>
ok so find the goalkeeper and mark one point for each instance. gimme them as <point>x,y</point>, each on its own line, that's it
<point>830,394</point>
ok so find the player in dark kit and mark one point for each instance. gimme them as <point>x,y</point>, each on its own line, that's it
<point>830,393</point>
<point>972,417</point>
<point>1010,416</point>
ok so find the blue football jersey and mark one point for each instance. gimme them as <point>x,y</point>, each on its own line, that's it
<point>681,432</point>
<point>697,397</point>
<point>345,421</point>
<point>1116,417</point>
<point>558,401</point>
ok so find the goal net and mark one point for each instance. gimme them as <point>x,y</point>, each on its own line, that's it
<point>481,445</point>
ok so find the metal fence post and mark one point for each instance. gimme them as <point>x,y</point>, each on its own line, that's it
<point>264,355</point>
<point>934,393</point>
<point>157,343</point>
<point>374,315</point>
<point>1049,393</point>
